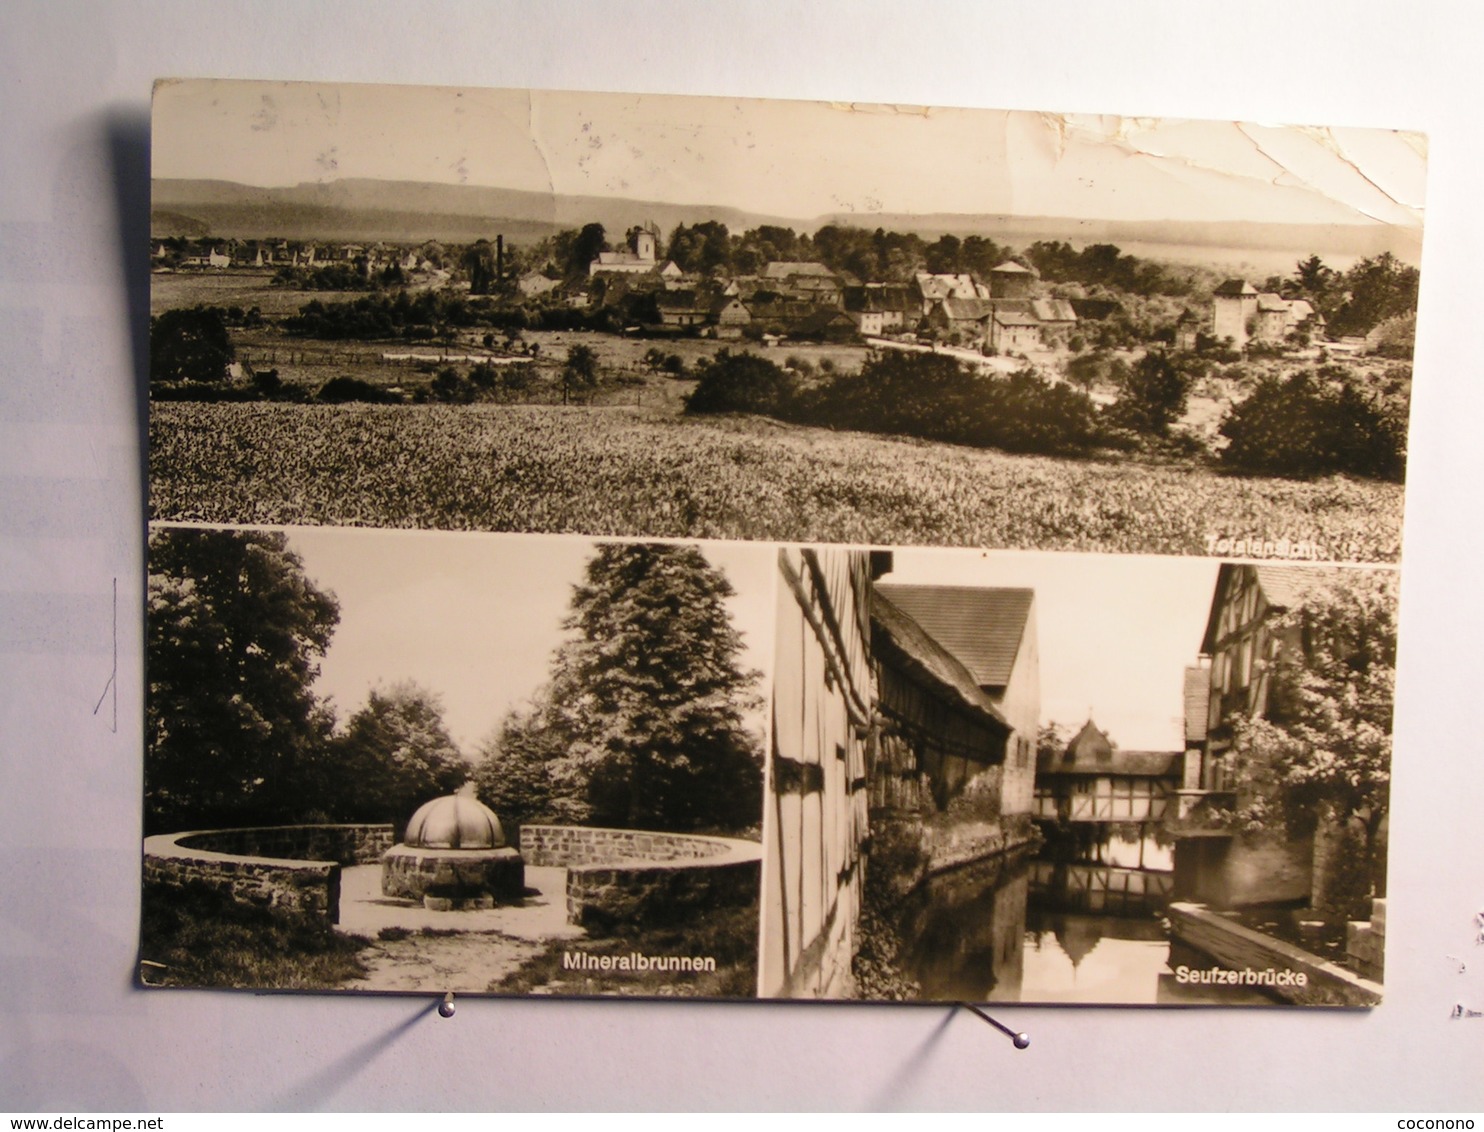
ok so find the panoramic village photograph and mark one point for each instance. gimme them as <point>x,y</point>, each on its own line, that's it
<point>1077,779</point>
<point>688,318</point>
<point>434,762</point>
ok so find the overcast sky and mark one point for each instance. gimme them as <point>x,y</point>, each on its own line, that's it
<point>475,617</point>
<point>1115,631</point>
<point>789,159</point>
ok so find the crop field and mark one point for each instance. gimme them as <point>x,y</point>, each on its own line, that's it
<point>648,472</point>
<point>169,290</point>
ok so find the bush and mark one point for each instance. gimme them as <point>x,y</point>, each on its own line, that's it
<point>190,345</point>
<point>740,383</point>
<point>453,388</point>
<point>937,397</point>
<point>1155,391</point>
<point>340,390</point>
<point>1304,427</point>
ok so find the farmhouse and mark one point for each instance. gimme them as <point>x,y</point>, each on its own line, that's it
<point>534,283</point>
<point>1057,318</point>
<point>967,318</point>
<point>728,315</point>
<point>682,309</point>
<point>880,308</point>
<point>933,289</point>
<point>1014,332</point>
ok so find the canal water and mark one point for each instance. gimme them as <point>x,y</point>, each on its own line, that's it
<point>1036,931</point>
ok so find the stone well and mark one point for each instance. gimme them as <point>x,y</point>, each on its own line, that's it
<point>453,857</point>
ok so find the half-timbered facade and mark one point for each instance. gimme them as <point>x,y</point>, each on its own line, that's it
<point>823,731</point>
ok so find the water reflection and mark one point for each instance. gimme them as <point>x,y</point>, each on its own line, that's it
<point>1052,932</point>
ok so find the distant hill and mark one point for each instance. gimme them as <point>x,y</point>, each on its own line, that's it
<point>410,211</point>
<point>1340,241</point>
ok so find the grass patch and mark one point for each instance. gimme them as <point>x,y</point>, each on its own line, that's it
<point>728,935</point>
<point>205,939</point>
<point>617,471</point>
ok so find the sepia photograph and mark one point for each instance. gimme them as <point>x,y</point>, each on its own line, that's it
<point>1036,778</point>
<point>682,317</point>
<point>434,762</point>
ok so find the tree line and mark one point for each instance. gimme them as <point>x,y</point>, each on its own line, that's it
<point>640,724</point>
<point>1310,423</point>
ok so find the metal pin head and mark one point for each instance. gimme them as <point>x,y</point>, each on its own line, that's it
<point>1022,1040</point>
<point>445,1008</point>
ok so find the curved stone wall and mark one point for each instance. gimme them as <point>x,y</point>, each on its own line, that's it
<point>293,869</point>
<point>635,876</point>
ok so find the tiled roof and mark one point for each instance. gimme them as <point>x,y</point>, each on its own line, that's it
<point>1283,586</point>
<point>967,310</point>
<point>982,627</point>
<point>1089,745</point>
<point>1267,301</point>
<point>1197,702</point>
<point>948,286</point>
<point>1236,288</point>
<point>1012,318</point>
<point>893,629</point>
<point>1054,310</point>
<point>1010,267</point>
<point>678,301</point>
<point>1123,764</point>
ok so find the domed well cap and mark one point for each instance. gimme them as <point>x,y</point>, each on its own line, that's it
<point>455,821</point>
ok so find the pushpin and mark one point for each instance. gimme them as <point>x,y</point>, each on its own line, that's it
<point>445,1008</point>
<point>1019,1038</point>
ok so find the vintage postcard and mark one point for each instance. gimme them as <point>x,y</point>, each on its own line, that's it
<point>398,761</point>
<point>677,547</point>
<point>1078,779</point>
<point>673,317</point>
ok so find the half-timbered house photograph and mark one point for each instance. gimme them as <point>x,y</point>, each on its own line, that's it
<point>1076,778</point>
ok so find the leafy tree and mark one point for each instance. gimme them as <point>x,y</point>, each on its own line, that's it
<point>234,634</point>
<point>395,754</point>
<point>740,383</point>
<point>190,345</point>
<point>1154,394</point>
<point>1322,754</point>
<point>648,697</point>
<point>1313,276</point>
<point>479,262</point>
<point>580,373</point>
<point>944,256</point>
<point>1378,288</point>
<point>585,248</point>
<point>1052,739</point>
<point>1310,426</point>
<point>706,246</point>
<point>513,775</point>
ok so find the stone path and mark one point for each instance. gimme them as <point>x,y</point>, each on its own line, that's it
<point>463,951</point>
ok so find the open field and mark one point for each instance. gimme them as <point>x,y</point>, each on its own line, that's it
<point>237,288</point>
<point>649,472</point>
